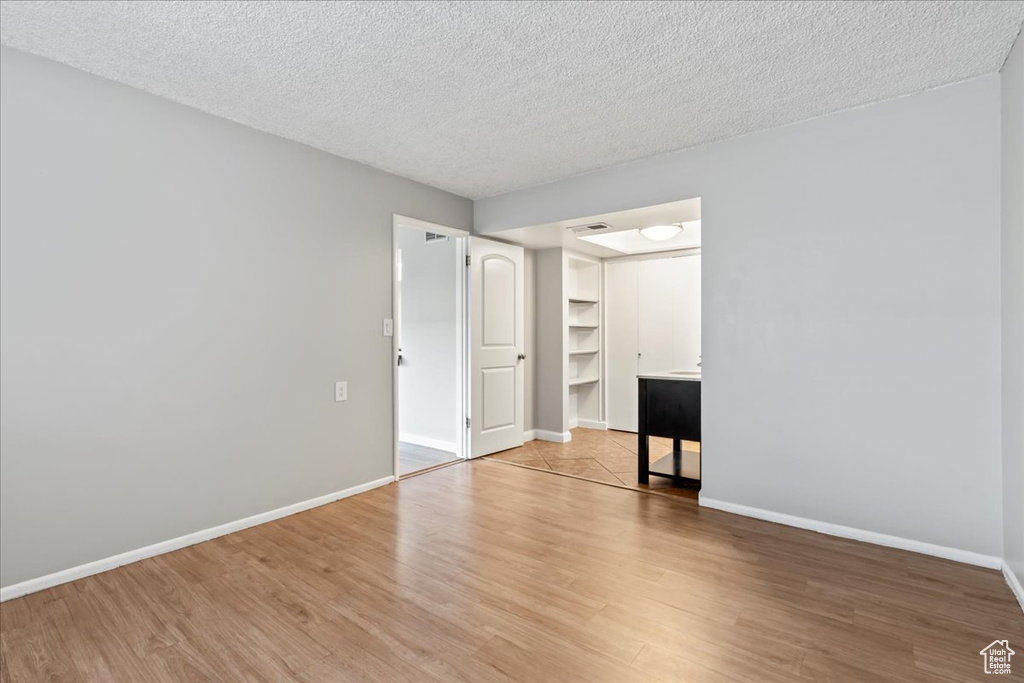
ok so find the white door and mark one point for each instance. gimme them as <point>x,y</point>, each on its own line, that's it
<point>497,340</point>
<point>621,344</point>
<point>686,319</point>
<point>656,315</point>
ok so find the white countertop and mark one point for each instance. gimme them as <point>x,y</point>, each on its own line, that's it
<point>684,375</point>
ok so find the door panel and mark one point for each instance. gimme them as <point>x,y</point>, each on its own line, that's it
<point>498,288</point>
<point>656,309</point>
<point>497,338</point>
<point>498,392</point>
<point>621,344</point>
<point>654,325</point>
<point>686,320</point>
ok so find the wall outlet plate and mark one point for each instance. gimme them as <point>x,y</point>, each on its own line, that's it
<point>340,392</point>
<point>389,327</point>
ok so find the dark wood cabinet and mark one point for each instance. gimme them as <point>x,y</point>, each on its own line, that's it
<point>668,408</point>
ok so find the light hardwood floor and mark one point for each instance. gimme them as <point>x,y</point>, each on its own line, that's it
<point>413,458</point>
<point>485,572</point>
<point>605,456</point>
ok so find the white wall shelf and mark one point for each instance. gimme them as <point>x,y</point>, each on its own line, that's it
<point>583,288</point>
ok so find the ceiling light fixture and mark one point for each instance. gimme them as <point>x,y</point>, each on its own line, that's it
<point>660,233</point>
<point>630,241</point>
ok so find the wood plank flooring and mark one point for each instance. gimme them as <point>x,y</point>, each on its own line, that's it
<point>605,456</point>
<point>413,458</point>
<point>485,572</point>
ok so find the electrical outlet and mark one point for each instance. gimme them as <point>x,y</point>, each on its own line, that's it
<point>389,327</point>
<point>340,392</point>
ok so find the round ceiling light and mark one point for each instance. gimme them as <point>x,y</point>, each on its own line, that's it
<point>660,233</point>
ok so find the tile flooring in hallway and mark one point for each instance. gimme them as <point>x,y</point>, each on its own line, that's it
<point>605,456</point>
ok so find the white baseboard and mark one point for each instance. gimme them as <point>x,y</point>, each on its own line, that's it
<point>557,437</point>
<point>955,554</point>
<point>428,442</point>
<point>81,571</point>
<point>564,437</point>
<point>1014,583</point>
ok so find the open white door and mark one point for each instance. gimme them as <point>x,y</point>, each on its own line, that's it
<point>496,342</point>
<point>621,344</point>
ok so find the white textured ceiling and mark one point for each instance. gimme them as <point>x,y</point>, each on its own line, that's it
<point>480,98</point>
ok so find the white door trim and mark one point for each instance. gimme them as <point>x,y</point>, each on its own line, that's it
<point>398,221</point>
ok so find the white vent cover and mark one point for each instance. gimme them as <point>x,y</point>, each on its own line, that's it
<point>589,227</point>
<point>435,237</point>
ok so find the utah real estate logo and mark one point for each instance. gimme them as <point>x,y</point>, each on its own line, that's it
<point>997,657</point>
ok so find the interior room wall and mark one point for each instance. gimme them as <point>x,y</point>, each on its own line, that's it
<point>550,390</point>
<point>428,412</point>
<point>530,315</point>
<point>1013,310</point>
<point>179,295</point>
<point>851,307</point>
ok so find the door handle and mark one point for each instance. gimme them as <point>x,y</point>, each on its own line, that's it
<point>522,356</point>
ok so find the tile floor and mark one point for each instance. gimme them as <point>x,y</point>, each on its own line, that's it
<point>604,456</point>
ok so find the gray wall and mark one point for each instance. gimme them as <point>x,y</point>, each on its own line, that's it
<point>851,307</point>
<point>550,400</point>
<point>179,294</point>
<point>428,412</point>
<point>1013,309</point>
<point>530,329</point>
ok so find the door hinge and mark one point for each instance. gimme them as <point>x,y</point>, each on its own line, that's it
<point>467,423</point>
<point>467,259</point>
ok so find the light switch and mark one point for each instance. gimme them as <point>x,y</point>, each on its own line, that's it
<point>340,391</point>
<point>389,327</point>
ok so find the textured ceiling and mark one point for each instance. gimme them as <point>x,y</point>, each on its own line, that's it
<point>483,98</point>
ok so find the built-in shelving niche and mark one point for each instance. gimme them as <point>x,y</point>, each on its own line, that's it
<point>583,285</point>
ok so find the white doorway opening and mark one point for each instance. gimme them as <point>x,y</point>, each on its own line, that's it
<point>429,345</point>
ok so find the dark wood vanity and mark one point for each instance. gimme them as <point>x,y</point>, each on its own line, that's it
<point>670,408</point>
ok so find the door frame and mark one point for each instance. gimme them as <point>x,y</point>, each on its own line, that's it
<point>461,331</point>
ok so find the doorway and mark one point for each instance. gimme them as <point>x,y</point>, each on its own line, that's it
<point>458,346</point>
<point>429,309</point>
<point>616,297</point>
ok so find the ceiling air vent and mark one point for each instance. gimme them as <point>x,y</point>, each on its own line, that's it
<point>435,237</point>
<point>590,227</point>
